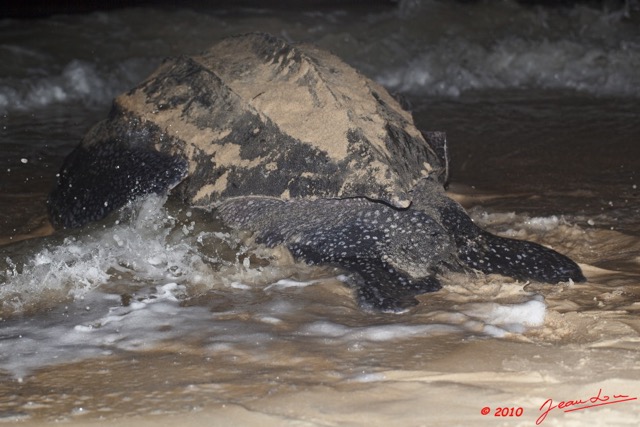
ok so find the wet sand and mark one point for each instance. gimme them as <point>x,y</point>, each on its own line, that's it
<point>452,390</point>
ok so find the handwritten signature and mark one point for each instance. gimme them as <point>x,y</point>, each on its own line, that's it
<point>577,405</point>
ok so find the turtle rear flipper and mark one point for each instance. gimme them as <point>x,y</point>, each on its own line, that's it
<point>96,181</point>
<point>519,259</point>
<point>378,285</point>
<point>382,288</point>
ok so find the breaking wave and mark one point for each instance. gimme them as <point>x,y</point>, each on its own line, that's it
<point>505,45</point>
<point>78,82</point>
<point>451,68</point>
<point>429,47</point>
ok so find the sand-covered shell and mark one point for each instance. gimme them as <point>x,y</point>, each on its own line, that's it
<point>255,115</point>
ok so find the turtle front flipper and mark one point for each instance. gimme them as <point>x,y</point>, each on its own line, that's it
<point>519,259</point>
<point>95,181</point>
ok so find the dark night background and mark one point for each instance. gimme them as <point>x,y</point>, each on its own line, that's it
<point>41,8</point>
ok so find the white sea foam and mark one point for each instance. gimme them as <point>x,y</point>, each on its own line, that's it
<point>289,283</point>
<point>375,333</point>
<point>141,250</point>
<point>95,326</point>
<point>531,224</point>
<point>99,324</point>
<point>494,319</point>
<point>548,230</point>
<point>500,319</point>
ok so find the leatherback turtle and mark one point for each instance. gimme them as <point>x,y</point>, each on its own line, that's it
<point>289,142</point>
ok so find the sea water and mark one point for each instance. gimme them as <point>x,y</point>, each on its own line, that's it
<point>160,309</point>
